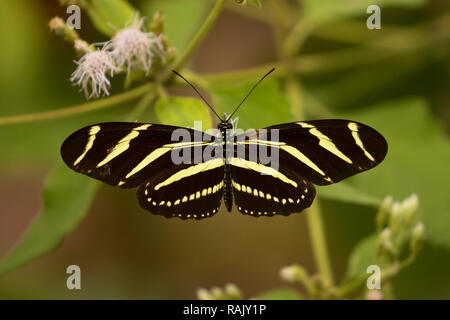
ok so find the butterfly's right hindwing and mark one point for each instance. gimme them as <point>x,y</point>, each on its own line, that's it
<point>275,193</point>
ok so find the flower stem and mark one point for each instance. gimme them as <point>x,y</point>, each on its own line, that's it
<point>350,288</point>
<point>344,291</point>
<point>313,214</point>
<point>199,36</point>
<point>146,101</point>
<point>78,109</point>
<point>294,94</point>
<point>319,243</point>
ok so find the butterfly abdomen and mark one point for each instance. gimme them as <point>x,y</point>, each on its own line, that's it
<point>228,195</point>
<point>227,146</point>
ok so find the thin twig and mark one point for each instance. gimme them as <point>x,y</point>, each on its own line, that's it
<point>201,33</point>
<point>319,244</point>
<point>79,108</point>
<point>347,289</point>
<point>146,101</point>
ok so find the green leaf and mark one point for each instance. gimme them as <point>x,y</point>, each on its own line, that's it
<point>266,106</point>
<point>182,18</point>
<point>17,43</point>
<point>183,111</point>
<point>108,16</point>
<point>377,77</point>
<point>362,256</point>
<point>417,162</point>
<point>327,10</point>
<point>281,294</point>
<point>345,192</point>
<point>67,197</point>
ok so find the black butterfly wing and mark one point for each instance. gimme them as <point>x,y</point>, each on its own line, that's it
<point>277,192</point>
<point>187,192</point>
<point>128,155</point>
<point>125,154</point>
<point>323,151</point>
<point>303,153</point>
<point>137,154</point>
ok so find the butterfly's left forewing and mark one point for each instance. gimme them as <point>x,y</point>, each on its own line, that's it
<point>125,154</point>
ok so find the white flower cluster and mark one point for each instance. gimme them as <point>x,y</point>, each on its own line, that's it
<point>229,292</point>
<point>91,73</point>
<point>134,48</point>
<point>130,48</point>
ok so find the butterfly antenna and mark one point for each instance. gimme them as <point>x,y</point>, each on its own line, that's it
<point>199,94</point>
<point>229,117</point>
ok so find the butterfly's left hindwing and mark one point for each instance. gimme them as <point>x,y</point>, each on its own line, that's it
<point>187,192</point>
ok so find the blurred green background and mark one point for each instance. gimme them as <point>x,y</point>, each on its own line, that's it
<point>395,79</point>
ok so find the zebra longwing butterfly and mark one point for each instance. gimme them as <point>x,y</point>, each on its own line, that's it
<point>130,155</point>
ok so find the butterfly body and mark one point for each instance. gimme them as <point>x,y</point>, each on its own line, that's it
<point>225,128</point>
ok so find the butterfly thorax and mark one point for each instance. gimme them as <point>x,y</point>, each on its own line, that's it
<point>225,128</point>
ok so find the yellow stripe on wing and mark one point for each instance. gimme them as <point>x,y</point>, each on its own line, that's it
<point>190,171</point>
<point>354,128</point>
<point>123,144</point>
<point>258,167</point>
<point>92,134</point>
